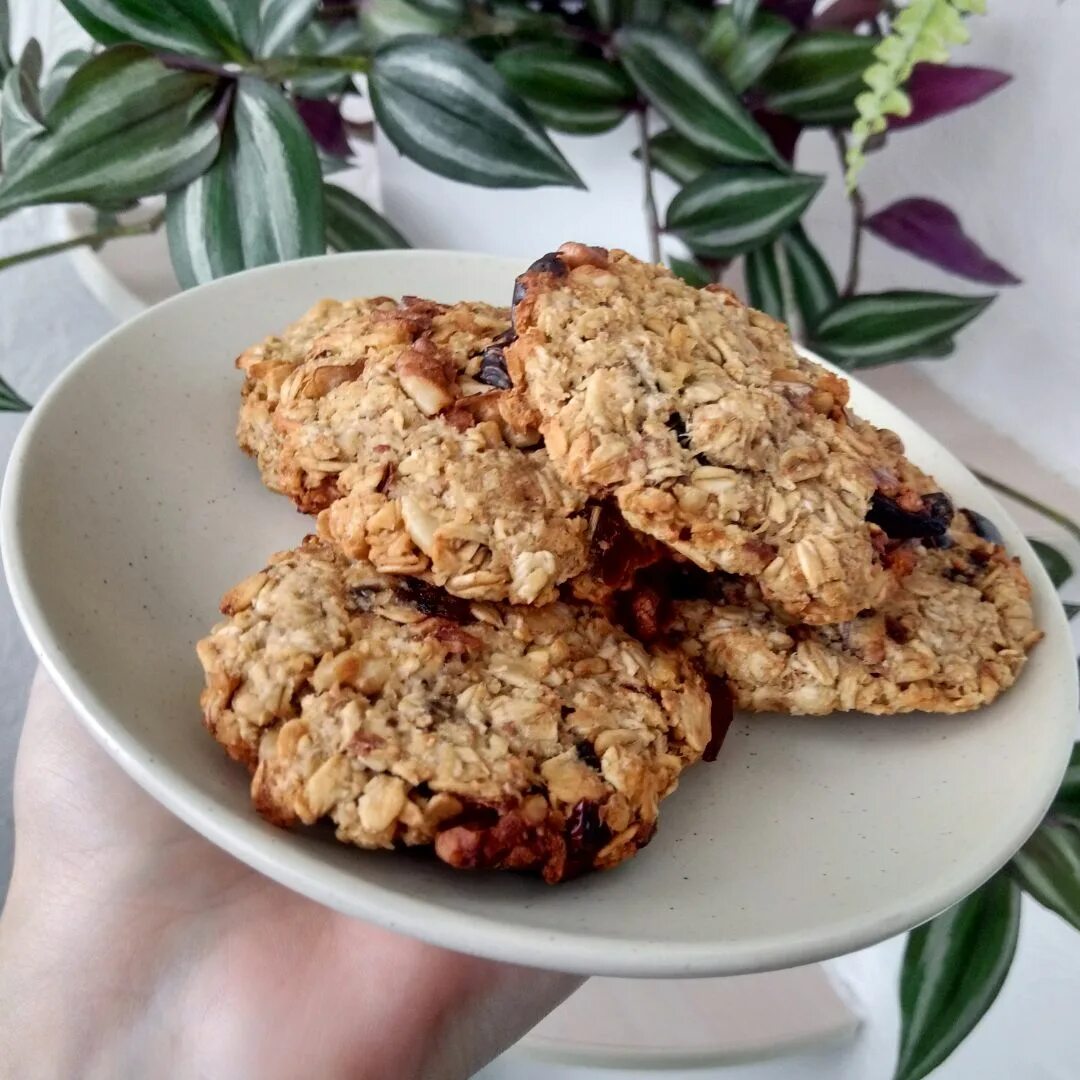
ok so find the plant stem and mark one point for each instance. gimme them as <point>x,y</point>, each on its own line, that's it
<point>1056,516</point>
<point>281,68</point>
<point>114,232</point>
<point>858,216</point>
<point>652,218</point>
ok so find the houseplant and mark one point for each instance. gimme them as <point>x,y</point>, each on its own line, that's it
<point>234,111</point>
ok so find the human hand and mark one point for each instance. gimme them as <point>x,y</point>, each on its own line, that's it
<point>131,947</point>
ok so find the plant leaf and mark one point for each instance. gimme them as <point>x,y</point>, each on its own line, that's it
<point>10,401</point>
<point>811,279</point>
<point>21,114</point>
<point>764,285</point>
<point>1067,801</point>
<point>203,223</point>
<point>352,225</point>
<point>846,14</point>
<point>5,38</point>
<point>126,126</point>
<point>280,21</point>
<point>877,328</point>
<point>448,9</point>
<point>931,231</point>
<point>734,209</point>
<point>797,12</point>
<point>568,91</point>
<point>818,75</point>
<point>743,11</point>
<point>691,271</point>
<point>1071,610</point>
<point>276,177</point>
<point>695,100</point>
<point>59,76</point>
<point>953,969</point>
<point>325,125</point>
<point>1048,868</point>
<point>158,24</point>
<point>232,24</point>
<point>1054,562</point>
<point>387,20</point>
<point>256,205</point>
<point>935,89</point>
<point>743,57</point>
<point>678,157</point>
<point>454,115</point>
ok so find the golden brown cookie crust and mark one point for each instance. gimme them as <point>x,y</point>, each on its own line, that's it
<point>697,416</point>
<point>511,737</point>
<point>953,636</point>
<point>383,424</point>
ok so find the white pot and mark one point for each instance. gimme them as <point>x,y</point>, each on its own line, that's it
<point>439,213</point>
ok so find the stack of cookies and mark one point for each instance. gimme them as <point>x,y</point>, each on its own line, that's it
<point>557,546</point>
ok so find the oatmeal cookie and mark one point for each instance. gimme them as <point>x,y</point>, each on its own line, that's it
<point>508,737</point>
<point>696,415</point>
<point>390,425</point>
<point>952,637</point>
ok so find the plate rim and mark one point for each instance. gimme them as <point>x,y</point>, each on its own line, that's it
<point>437,923</point>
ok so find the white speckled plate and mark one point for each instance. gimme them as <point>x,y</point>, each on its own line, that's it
<point>128,510</point>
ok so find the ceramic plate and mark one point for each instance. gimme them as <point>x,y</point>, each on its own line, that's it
<point>128,511</point>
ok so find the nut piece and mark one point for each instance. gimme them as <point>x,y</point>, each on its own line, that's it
<point>427,377</point>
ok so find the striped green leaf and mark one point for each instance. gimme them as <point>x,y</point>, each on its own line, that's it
<point>743,13</point>
<point>10,401</point>
<point>384,21</point>
<point>1055,563</point>
<point>878,328</point>
<point>953,968</point>
<point>735,209</point>
<point>454,115</point>
<point>5,38</point>
<point>280,21</point>
<point>260,203</point>
<point>1071,610</point>
<point>744,57</point>
<point>763,282</point>
<point>569,92</point>
<point>1048,868</point>
<point>203,223</point>
<point>232,24</point>
<point>679,157</point>
<point>352,225</point>
<point>811,280</point>
<point>189,27</point>
<point>1067,801</point>
<point>59,75</point>
<point>817,77</point>
<point>695,100</point>
<point>447,9</point>
<point>126,126</point>
<point>22,116</point>
<point>603,13</point>
<point>691,271</point>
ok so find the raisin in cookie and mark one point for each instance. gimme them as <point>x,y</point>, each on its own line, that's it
<point>390,425</point>
<point>697,416</point>
<point>953,636</point>
<point>512,737</point>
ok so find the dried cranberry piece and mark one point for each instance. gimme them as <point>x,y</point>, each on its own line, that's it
<point>431,600</point>
<point>493,368</point>
<point>549,264</point>
<point>586,752</point>
<point>931,520</point>
<point>721,715</point>
<point>983,527</point>
<point>584,829</point>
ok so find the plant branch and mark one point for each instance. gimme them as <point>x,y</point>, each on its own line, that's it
<point>652,218</point>
<point>282,68</point>
<point>858,216</point>
<point>1056,516</point>
<point>94,240</point>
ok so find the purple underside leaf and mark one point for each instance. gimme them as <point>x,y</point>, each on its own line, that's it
<point>936,89</point>
<point>797,12</point>
<point>847,14</point>
<point>324,121</point>
<point>931,231</point>
<point>783,130</point>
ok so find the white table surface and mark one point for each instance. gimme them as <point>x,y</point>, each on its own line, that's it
<point>47,317</point>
